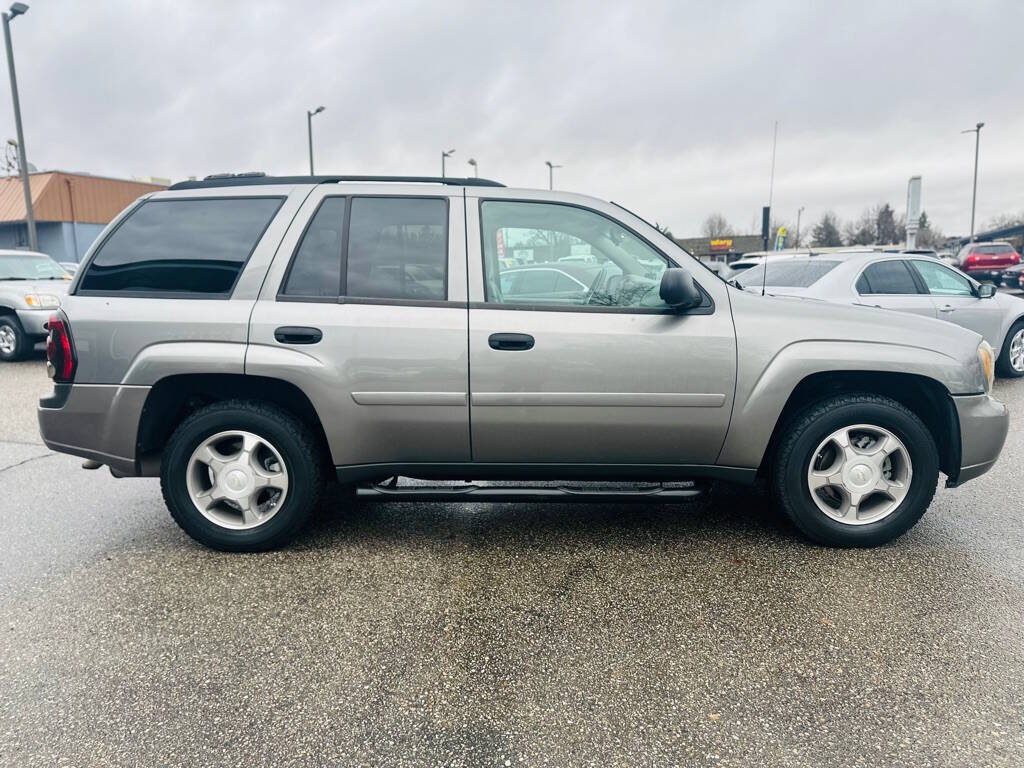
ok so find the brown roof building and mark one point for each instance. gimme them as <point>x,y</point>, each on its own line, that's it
<point>71,209</point>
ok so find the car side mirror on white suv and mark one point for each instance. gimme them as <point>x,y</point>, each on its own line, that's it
<point>986,291</point>
<point>678,289</point>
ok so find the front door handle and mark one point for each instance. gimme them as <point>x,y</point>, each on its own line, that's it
<point>510,341</point>
<point>298,334</point>
<point>946,308</point>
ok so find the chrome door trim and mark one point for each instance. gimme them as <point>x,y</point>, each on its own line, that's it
<point>410,398</point>
<point>603,399</point>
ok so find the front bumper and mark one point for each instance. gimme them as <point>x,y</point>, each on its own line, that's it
<point>984,422</point>
<point>94,421</point>
<point>33,321</point>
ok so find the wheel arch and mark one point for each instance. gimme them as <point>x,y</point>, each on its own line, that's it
<point>173,398</point>
<point>927,398</point>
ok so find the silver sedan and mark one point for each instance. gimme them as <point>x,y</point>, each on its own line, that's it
<point>904,283</point>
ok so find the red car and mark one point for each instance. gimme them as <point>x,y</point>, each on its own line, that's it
<point>987,261</point>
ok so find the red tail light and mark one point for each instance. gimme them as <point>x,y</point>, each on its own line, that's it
<point>60,352</point>
<point>971,260</point>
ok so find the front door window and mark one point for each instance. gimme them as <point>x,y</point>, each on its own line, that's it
<point>544,254</point>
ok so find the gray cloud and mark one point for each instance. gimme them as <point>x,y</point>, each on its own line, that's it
<point>663,106</point>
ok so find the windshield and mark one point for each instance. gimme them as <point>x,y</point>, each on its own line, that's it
<point>30,266</point>
<point>793,274</point>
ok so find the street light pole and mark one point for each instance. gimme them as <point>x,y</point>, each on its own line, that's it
<point>17,9</point>
<point>551,173</point>
<point>445,155</point>
<point>799,211</point>
<point>976,130</point>
<point>309,130</point>
<point>476,170</point>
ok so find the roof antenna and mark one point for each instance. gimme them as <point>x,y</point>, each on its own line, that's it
<point>766,212</point>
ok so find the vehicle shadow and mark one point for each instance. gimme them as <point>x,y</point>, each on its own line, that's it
<point>726,512</point>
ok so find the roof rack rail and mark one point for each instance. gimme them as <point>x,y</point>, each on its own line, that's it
<point>254,178</point>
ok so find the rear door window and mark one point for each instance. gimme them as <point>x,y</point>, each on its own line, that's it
<point>185,247</point>
<point>398,249</point>
<point>887,277</point>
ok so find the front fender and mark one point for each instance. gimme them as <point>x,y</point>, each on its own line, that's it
<point>762,395</point>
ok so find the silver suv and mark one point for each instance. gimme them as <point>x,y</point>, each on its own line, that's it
<point>247,338</point>
<point>31,287</point>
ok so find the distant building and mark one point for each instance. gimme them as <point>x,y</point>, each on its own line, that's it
<point>721,249</point>
<point>71,209</point>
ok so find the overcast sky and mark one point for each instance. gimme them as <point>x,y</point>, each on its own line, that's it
<point>666,107</point>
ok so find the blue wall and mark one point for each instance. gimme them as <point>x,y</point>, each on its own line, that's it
<point>57,239</point>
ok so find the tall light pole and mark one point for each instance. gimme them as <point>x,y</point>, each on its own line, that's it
<point>309,130</point>
<point>17,9</point>
<point>976,130</point>
<point>551,173</point>
<point>476,170</point>
<point>445,156</point>
<point>799,211</point>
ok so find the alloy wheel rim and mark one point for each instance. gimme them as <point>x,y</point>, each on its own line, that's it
<point>859,474</point>
<point>7,340</point>
<point>237,479</point>
<point>1017,351</point>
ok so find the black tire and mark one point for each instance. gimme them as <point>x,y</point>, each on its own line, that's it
<point>11,325</point>
<point>288,435</point>
<point>1003,366</point>
<point>805,432</point>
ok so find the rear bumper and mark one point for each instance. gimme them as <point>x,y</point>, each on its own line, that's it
<point>94,421</point>
<point>984,422</point>
<point>33,321</point>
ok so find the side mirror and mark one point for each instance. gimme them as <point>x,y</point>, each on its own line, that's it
<point>678,289</point>
<point>986,291</point>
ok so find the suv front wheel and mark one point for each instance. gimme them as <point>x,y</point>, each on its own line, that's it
<point>855,470</point>
<point>241,476</point>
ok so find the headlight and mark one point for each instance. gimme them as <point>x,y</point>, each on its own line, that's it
<point>985,355</point>
<point>42,300</point>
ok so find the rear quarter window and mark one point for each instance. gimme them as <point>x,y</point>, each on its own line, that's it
<point>190,247</point>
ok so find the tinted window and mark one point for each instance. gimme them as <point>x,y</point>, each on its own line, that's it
<point>316,269</point>
<point>887,277</point>
<point>942,281</point>
<point>993,250</point>
<point>398,248</point>
<point>181,246</point>
<point>792,274</point>
<point>620,269</point>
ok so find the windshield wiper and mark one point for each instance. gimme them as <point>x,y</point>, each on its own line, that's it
<point>13,278</point>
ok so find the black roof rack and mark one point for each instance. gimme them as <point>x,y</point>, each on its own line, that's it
<point>250,179</point>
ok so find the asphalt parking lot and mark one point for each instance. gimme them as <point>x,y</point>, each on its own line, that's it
<point>499,635</point>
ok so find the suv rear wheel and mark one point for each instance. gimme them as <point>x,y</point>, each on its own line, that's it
<point>855,470</point>
<point>13,344</point>
<point>241,476</point>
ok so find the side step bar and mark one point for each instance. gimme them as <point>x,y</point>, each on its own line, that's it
<point>677,492</point>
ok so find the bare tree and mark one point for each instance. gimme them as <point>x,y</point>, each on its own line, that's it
<point>861,231</point>
<point>1005,220</point>
<point>664,230</point>
<point>716,225</point>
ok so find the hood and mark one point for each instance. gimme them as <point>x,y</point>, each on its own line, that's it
<point>56,287</point>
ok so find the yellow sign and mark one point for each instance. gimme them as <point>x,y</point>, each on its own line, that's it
<point>721,244</point>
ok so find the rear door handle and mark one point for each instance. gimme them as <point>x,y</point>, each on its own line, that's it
<point>298,334</point>
<point>510,341</point>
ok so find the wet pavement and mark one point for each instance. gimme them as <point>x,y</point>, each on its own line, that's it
<point>495,634</point>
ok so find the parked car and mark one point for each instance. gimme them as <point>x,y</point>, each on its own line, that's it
<point>248,338</point>
<point>987,261</point>
<point>907,283</point>
<point>31,287</point>
<point>1013,278</point>
<point>69,266</point>
<point>751,260</point>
